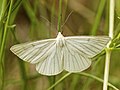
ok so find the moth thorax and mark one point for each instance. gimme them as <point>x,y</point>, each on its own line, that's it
<point>60,42</point>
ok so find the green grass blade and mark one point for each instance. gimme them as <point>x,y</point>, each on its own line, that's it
<point>3,45</point>
<point>98,17</point>
<point>59,15</point>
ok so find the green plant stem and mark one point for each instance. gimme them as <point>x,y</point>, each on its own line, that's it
<point>84,74</point>
<point>17,5</point>
<point>59,81</point>
<point>23,75</point>
<point>30,11</point>
<point>93,72</point>
<point>98,17</point>
<point>22,67</point>
<point>52,15</point>
<point>3,9</point>
<point>107,64</point>
<point>3,44</point>
<point>59,16</point>
<point>108,51</point>
<point>106,18</point>
<point>98,79</point>
<point>53,81</point>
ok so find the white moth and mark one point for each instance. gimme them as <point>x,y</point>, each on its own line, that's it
<point>52,56</point>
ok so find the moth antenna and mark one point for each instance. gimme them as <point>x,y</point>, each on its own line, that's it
<point>67,18</point>
<point>45,19</point>
<point>65,21</point>
<point>50,23</point>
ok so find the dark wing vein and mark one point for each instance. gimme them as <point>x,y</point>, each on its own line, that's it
<point>52,63</point>
<point>74,60</point>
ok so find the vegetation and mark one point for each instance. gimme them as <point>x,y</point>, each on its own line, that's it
<point>30,20</point>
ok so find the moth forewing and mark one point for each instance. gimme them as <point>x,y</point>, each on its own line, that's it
<point>89,45</point>
<point>31,50</point>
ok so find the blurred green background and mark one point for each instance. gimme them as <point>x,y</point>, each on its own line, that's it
<point>32,20</point>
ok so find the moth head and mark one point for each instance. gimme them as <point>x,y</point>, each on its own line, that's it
<point>59,35</point>
<point>60,40</point>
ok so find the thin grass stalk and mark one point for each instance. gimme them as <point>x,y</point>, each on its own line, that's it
<point>16,5</point>
<point>29,11</point>
<point>98,79</point>
<point>21,63</point>
<point>23,75</point>
<point>22,68</point>
<point>108,51</point>
<point>52,15</point>
<point>106,26</point>
<point>3,44</point>
<point>59,81</point>
<point>84,74</point>
<point>93,72</point>
<point>59,16</point>
<point>2,10</point>
<point>98,16</point>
